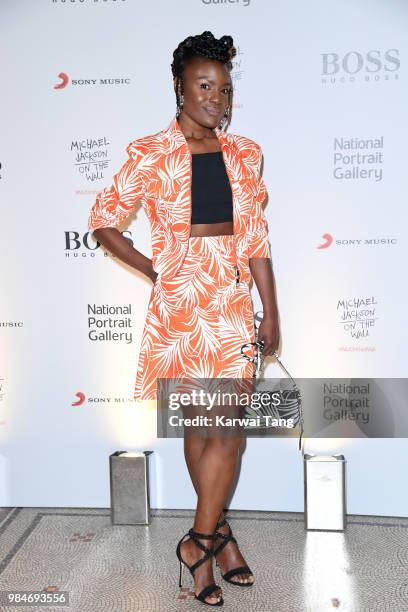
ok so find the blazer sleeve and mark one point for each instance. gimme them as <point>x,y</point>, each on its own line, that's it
<point>117,201</point>
<point>258,242</point>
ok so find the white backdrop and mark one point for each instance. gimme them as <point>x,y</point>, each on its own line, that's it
<point>315,84</point>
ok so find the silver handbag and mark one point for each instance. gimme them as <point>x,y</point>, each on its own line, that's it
<point>290,405</point>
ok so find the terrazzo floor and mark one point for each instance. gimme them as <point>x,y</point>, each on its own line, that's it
<point>118,568</point>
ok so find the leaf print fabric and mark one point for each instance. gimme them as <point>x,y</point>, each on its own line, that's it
<point>198,321</point>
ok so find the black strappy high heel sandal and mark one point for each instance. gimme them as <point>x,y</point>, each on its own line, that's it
<point>228,537</point>
<point>210,588</point>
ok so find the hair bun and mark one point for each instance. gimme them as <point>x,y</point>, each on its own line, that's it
<point>227,41</point>
<point>204,45</point>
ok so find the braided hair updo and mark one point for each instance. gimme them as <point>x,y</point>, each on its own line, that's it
<point>204,45</point>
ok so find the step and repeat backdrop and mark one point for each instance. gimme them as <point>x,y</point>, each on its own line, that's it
<point>322,87</point>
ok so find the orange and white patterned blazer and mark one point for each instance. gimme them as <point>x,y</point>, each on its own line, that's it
<point>158,174</point>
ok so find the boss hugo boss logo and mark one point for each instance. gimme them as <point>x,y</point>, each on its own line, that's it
<point>92,2</point>
<point>357,66</point>
<point>85,245</point>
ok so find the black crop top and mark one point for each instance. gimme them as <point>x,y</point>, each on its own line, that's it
<point>211,193</point>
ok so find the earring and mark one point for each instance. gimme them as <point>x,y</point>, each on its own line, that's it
<point>225,119</point>
<point>180,104</point>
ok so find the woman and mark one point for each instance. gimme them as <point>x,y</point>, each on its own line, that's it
<point>203,193</point>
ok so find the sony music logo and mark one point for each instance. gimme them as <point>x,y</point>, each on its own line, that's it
<point>328,241</point>
<point>65,80</point>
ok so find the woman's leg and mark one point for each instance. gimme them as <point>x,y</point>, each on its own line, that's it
<point>213,463</point>
<point>214,477</point>
<point>193,449</point>
<point>230,556</point>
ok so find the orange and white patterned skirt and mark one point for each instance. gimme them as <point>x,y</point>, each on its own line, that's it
<point>197,322</point>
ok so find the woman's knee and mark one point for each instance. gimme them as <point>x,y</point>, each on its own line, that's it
<point>227,444</point>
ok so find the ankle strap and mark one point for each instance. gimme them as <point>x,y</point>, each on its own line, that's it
<point>202,536</point>
<point>222,523</point>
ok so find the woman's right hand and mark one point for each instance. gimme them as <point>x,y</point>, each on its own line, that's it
<point>120,247</point>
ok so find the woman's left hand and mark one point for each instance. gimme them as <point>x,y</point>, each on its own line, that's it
<point>269,332</point>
